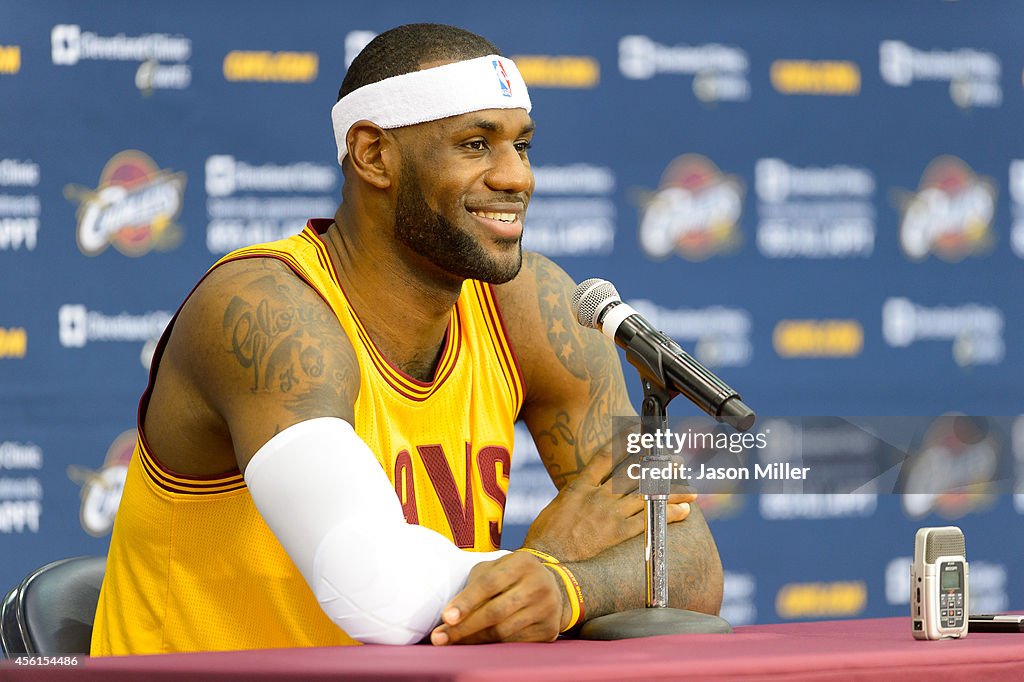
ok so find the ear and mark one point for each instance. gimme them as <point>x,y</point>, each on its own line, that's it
<point>370,151</point>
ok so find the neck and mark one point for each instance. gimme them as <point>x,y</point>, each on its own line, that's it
<point>404,302</point>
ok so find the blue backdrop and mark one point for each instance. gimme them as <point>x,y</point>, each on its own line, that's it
<point>823,201</point>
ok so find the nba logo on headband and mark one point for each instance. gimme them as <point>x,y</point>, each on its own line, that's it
<point>503,80</point>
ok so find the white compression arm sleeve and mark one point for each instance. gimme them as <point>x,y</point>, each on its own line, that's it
<point>332,508</point>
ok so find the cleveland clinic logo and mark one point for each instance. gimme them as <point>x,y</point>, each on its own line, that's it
<point>972,75</point>
<point>719,72</point>
<point>78,326</point>
<point>162,58</point>
<point>694,212</point>
<point>132,209</point>
<point>974,330</point>
<point>951,213</point>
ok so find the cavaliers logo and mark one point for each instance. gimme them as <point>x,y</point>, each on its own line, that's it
<point>101,490</point>
<point>133,208</point>
<point>695,211</point>
<point>955,470</point>
<point>950,215</point>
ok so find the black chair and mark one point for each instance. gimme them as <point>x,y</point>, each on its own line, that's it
<point>51,612</point>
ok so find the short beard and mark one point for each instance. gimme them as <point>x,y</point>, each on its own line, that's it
<point>435,238</point>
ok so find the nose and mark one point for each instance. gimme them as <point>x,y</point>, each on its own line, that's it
<point>509,171</point>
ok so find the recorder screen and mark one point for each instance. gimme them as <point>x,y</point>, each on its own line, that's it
<point>951,580</point>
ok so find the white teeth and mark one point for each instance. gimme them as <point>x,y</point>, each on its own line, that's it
<point>503,217</point>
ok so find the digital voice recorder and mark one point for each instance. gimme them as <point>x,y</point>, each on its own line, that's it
<point>938,584</point>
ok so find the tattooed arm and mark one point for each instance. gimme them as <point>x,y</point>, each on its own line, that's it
<point>253,351</point>
<point>574,386</point>
<point>574,382</point>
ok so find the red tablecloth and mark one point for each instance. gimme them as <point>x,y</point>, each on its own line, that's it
<point>834,650</point>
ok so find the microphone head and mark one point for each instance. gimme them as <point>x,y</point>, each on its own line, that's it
<point>591,298</point>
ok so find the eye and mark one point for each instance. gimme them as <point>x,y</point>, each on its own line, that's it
<point>523,146</point>
<point>477,145</point>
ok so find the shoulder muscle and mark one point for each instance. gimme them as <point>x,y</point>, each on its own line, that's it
<point>265,351</point>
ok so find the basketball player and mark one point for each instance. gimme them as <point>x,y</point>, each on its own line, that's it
<point>324,447</point>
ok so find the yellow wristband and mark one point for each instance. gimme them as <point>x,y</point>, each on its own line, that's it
<point>543,556</point>
<point>572,589</point>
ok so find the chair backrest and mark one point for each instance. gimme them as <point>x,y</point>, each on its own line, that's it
<point>51,612</point>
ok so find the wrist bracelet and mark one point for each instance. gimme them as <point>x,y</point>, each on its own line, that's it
<point>543,556</point>
<point>572,589</point>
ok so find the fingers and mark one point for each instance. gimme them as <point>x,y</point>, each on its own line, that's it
<point>479,624</point>
<point>678,498</point>
<point>627,505</point>
<point>632,520</point>
<point>674,512</point>
<point>620,485</point>
<point>529,607</point>
<point>633,526</point>
<point>484,582</point>
<point>527,624</point>
<point>619,488</point>
<point>677,512</point>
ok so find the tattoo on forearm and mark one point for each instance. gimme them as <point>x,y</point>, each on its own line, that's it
<point>281,340</point>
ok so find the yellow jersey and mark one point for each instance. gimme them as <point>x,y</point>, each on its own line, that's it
<point>192,565</point>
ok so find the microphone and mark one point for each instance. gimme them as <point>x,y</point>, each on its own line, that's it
<point>597,305</point>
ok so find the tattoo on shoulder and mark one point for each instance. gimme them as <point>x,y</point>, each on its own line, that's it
<point>284,343</point>
<point>561,328</point>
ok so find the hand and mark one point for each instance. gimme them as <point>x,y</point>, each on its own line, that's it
<point>587,517</point>
<point>513,599</point>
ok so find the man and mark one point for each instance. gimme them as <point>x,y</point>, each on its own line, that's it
<point>304,383</point>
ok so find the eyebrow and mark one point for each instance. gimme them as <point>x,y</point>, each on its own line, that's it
<point>495,127</point>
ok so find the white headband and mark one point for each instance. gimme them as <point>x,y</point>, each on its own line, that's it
<point>491,82</point>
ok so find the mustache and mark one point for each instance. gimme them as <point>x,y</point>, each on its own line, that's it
<point>503,198</point>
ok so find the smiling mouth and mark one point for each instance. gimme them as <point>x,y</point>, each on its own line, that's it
<point>502,217</point>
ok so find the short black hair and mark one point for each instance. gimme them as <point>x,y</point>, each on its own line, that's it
<point>402,50</point>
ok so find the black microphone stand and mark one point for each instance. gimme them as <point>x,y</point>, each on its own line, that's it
<point>657,618</point>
